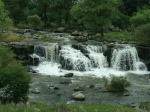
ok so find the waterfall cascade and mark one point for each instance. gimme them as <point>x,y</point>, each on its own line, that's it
<point>70,58</point>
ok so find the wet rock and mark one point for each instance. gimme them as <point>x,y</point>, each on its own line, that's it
<point>79,88</point>
<point>80,39</point>
<point>78,96</point>
<point>126,94</point>
<point>35,91</point>
<point>69,75</point>
<point>34,60</point>
<point>54,88</point>
<point>65,81</point>
<point>92,86</point>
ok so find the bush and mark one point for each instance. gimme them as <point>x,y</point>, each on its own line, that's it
<point>14,80</point>
<point>143,31</point>
<point>116,84</point>
<point>35,21</point>
<point>145,105</point>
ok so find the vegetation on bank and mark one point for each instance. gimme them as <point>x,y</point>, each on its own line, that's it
<point>62,107</point>
<point>104,17</point>
<point>14,79</point>
<point>11,37</point>
<point>116,84</point>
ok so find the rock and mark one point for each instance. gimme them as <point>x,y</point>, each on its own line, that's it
<point>60,30</point>
<point>54,88</point>
<point>36,91</point>
<point>126,94</point>
<point>65,81</point>
<point>92,86</point>
<point>69,75</point>
<point>79,88</point>
<point>85,34</point>
<point>80,39</point>
<point>76,33</point>
<point>34,60</point>
<point>78,96</point>
<point>98,35</point>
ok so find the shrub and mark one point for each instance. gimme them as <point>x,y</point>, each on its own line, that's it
<point>14,80</point>
<point>35,21</point>
<point>143,31</point>
<point>116,84</point>
<point>145,105</point>
<point>46,39</point>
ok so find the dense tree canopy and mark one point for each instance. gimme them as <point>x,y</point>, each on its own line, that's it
<point>93,15</point>
<point>4,19</point>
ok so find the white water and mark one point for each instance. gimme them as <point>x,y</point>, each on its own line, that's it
<point>94,63</point>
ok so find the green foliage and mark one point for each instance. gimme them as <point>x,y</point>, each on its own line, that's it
<point>117,84</point>
<point>46,39</point>
<point>143,32</point>
<point>14,79</point>
<point>4,19</point>
<point>17,9</point>
<point>39,107</point>
<point>95,15</point>
<point>145,105</point>
<point>120,20</point>
<point>35,21</point>
<point>142,16</point>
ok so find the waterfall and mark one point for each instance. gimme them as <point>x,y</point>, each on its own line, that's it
<point>96,56</point>
<point>88,59</point>
<point>73,59</point>
<point>126,59</point>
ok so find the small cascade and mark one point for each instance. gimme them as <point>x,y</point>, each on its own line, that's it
<point>72,59</point>
<point>126,59</point>
<point>46,53</point>
<point>98,60</point>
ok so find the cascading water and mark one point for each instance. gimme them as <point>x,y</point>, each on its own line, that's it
<point>96,56</point>
<point>126,59</point>
<point>89,59</point>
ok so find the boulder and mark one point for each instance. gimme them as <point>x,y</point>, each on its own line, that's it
<point>78,96</point>
<point>69,75</point>
<point>81,39</point>
<point>60,30</point>
<point>36,91</point>
<point>76,33</point>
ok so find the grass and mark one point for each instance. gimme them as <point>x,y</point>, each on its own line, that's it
<point>11,38</point>
<point>46,39</point>
<point>126,37</point>
<point>62,107</point>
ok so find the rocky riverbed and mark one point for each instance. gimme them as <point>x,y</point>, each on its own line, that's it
<point>54,89</point>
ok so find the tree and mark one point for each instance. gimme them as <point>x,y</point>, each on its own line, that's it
<point>95,15</point>
<point>128,7</point>
<point>17,9</point>
<point>14,79</point>
<point>34,21</point>
<point>142,16</point>
<point>4,19</point>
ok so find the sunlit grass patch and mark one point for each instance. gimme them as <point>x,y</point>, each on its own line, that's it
<point>11,38</point>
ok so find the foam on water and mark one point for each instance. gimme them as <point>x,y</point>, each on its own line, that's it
<point>47,68</point>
